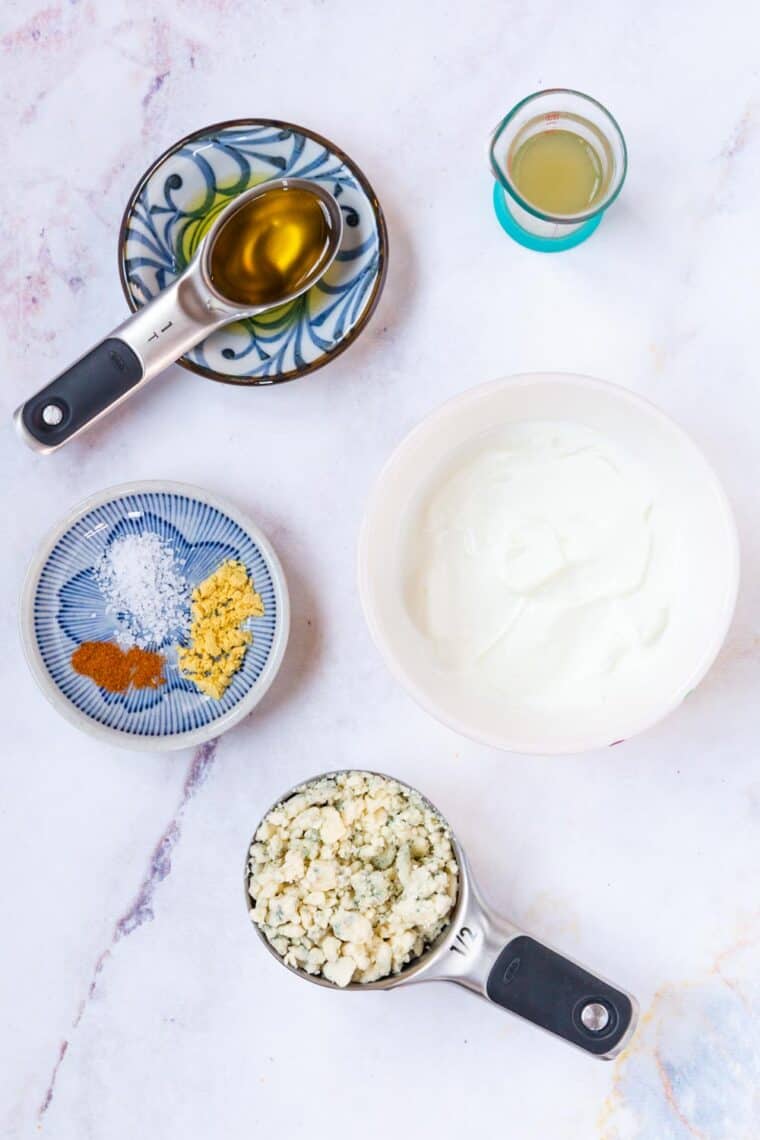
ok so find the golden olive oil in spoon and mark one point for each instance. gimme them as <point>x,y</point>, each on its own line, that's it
<point>270,247</point>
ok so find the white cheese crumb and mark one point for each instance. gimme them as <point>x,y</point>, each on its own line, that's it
<point>353,877</point>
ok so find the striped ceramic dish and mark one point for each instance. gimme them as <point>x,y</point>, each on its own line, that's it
<point>177,199</point>
<point>62,607</point>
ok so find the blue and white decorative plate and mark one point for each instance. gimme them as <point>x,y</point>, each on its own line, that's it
<point>62,606</point>
<point>175,202</point>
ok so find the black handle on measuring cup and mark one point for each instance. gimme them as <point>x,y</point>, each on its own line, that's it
<point>559,995</point>
<point>68,403</point>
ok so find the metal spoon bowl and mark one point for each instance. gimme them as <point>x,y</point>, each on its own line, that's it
<point>491,956</point>
<point>177,319</point>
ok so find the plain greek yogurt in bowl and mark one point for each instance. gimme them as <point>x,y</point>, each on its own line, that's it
<point>548,564</point>
<point>541,566</point>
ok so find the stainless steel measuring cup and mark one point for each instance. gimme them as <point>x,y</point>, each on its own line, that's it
<point>177,319</point>
<point>491,956</point>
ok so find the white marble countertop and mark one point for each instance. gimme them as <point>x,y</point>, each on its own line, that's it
<point>136,1000</point>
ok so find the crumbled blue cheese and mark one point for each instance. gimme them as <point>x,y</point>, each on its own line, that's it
<point>352,877</point>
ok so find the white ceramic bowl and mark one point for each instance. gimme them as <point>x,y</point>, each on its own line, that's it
<point>62,606</point>
<point>687,486</point>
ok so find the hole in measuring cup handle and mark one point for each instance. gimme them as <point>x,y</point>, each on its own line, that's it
<point>52,414</point>
<point>46,417</point>
<point>605,1030</point>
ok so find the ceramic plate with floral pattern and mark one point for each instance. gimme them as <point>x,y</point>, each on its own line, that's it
<point>178,198</point>
<point>63,607</point>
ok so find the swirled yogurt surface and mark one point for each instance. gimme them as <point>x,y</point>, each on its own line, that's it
<point>539,566</point>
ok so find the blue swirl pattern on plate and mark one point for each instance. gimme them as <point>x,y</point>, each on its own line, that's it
<point>166,219</point>
<point>70,609</point>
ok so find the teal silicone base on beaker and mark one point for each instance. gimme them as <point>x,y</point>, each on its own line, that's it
<point>532,241</point>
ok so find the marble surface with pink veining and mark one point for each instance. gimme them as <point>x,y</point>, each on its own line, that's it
<point>136,1001</point>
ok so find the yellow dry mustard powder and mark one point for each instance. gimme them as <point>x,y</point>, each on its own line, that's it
<point>217,646</point>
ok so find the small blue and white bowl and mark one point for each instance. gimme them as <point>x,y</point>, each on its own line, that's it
<point>62,607</point>
<point>177,199</point>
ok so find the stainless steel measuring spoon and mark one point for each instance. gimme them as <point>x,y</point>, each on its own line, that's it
<point>177,319</point>
<point>491,956</point>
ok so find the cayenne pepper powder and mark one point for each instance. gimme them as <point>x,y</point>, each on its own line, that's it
<point>115,669</point>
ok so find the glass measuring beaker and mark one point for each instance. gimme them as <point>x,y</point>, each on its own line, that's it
<point>556,109</point>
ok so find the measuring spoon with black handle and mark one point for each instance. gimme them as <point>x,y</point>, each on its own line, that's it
<point>177,319</point>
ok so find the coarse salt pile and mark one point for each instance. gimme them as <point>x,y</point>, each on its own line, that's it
<point>141,583</point>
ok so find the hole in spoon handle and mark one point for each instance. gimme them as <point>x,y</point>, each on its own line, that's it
<point>80,394</point>
<point>557,994</point>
